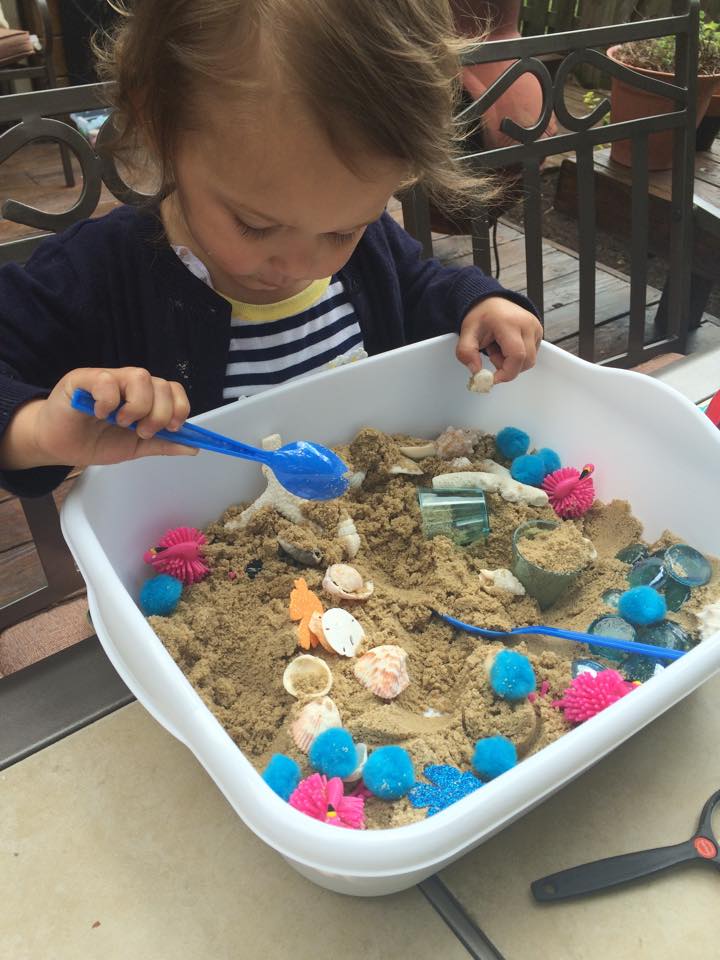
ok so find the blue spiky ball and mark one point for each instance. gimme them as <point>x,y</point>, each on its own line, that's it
<point>550,459</point>
<point>389,773</point>
<point>333,753</point>
<point>642,606</point>
<point>493,756</point>
<point>529,468</point>
<point>512,442</point>
<point>160,595</point>
<point>511,675</point>
<point>282,775</point>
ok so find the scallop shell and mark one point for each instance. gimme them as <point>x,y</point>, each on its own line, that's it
<point>383,671</point>
<point>341,632</point>
<point>309,672</point>
<point>342,580</point>
<point>312,719</point>
<point>316,629</point>
<point>362,755</point>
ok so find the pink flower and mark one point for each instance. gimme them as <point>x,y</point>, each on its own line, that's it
<point>570,492</point>
<point>180,553</point>
<point>588,694</point>
<point>325,800</point>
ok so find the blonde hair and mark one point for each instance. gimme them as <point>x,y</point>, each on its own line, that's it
<point>376,74</point>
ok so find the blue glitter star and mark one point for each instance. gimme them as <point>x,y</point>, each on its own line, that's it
<point>447,785</point>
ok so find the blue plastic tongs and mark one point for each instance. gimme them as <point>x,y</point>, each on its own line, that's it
<point>305,469</point>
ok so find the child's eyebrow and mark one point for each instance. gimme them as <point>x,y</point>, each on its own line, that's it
<point>275,223</point>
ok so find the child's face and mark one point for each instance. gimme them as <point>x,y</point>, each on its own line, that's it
<point>268,206</point>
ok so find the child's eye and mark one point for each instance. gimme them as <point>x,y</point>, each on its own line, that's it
<point>341,238</point>
<point>257,233</point>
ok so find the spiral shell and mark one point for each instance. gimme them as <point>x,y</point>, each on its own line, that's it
<point>383,671</point>
<point>342,580</point>
<point>307,676</point>
<point>312,719</point>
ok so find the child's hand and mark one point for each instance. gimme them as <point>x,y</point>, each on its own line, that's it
<point>510,335</point>
<point>48,432</point>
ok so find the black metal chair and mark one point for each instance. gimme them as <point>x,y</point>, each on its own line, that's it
<point>579,47</point>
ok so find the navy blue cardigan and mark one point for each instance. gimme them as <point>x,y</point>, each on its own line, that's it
<point>111,292</point>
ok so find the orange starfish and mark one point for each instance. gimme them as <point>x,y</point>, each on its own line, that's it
<point>303,604</point>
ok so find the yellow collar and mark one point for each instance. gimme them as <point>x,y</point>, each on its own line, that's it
<point>266,312</point>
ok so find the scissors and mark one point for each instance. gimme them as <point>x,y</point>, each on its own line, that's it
<point>703,846</point>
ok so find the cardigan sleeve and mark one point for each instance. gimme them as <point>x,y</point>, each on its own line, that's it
<point>436,298</point>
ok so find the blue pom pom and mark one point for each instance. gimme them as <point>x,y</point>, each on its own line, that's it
<point>511,675</point>
<point>282,775</point>
<point>333,753</point>
<point>642,605</point>
<point>160,595</point>
<point>550,459</point>
<point>528,469</point>
<point>493,756</point>
<point>389,773</point>
<point>512,442</point>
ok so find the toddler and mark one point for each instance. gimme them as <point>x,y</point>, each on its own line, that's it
<point>279,130</point>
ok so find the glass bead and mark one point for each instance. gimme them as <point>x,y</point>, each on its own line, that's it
<point>667,634</point>
<point>633,553</point>
<point>615,627</point>
<point>583,665</point>
<point>612,598</point>
<point>636,667</point>
<point>687,565</point>
<point>675,594</point>
<point>648,573</point>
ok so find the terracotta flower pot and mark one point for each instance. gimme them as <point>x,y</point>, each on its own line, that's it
<point>629,103</point>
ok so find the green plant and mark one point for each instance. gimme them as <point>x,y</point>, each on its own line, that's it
<point>591,100</point>
<point>659,53</point>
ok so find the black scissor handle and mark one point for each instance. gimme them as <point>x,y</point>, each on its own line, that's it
<point>705,829</point>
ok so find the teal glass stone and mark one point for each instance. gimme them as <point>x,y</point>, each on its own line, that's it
<point>461,515</point>
<point>612,598</point>
<point>648,573</point>
<point>667,634</point>
<point>687,565</point>
<point>615,627</point>
<point>675,594</point>
<point>584,665</point>
<point>633,553</point>
<point>640,668</point>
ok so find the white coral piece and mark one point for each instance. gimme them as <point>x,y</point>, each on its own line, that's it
<point>509,489</point>
<point>709,618</point>
<point>481,382</point>
<point>503,579</point>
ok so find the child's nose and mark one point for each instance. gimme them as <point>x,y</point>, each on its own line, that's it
<point>295,263</point>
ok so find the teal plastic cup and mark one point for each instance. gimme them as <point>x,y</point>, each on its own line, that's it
<point>544,585</point>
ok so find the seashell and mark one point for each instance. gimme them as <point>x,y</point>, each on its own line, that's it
<point>312,719</point>
<point>316,629</point>
<point>341,632</point>
<point>419,452</point>
<point>362,755</point>
<point>504,580</point>
<point>383,671</point>
<point>342,580</point>
<point>405,466</point>
<point>348,536</point>
<point>356,479</point>
<point>454,442</point>
<point>709,619</point>
<point>307,676</point>
<point>481,382</point>
<point>308,557</point>
<point>460,462</point>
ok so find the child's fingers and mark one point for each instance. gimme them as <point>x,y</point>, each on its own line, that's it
<point>181,406</point>
<point>102,384</point>
<point>138,391</point>
<point>161,412</point>
<point>514,355</point>
<point>468,347</point>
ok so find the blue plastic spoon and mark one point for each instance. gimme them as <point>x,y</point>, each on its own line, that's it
<point>592,640</point>
<point>305,469</point>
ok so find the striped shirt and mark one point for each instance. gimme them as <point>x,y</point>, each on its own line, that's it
<point>272,343</point>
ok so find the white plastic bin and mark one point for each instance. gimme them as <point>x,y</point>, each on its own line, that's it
<point>649,445</point>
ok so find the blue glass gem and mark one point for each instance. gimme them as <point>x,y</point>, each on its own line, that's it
<point>675,594</point>
<point>611,598</point>
<point>687,566</point>
<point>447,785</point>
<point>668,634</point>
<point>648,573</point>
<point>583,665</point>
<point>615,627</point>
<point>633,553</point>
<point>640,668</point>
<point>253,568</point>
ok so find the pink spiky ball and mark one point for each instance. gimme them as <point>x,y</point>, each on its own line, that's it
<point>589,693</point>
<point>325,800</point>
<point>180,553</point>
<point>570,491</point>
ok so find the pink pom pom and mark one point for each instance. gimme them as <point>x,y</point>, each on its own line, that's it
<point>570,492</point>
<point>589,693</point>
<point>325,800</point>
<point>180,553</point>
